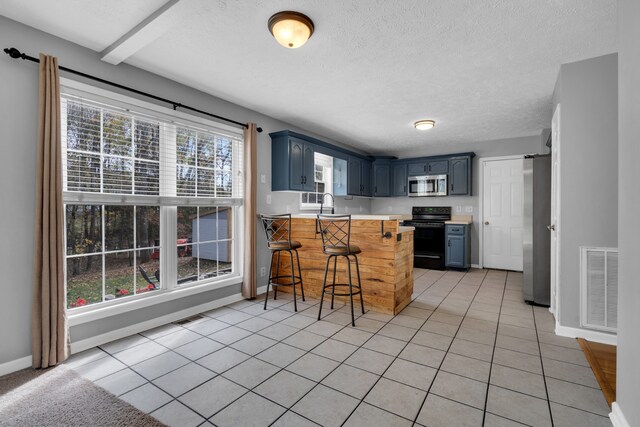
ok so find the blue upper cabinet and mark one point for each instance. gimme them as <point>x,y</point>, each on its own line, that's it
<point>292,164</point>
<point>293,158</point>
<point>400,180</point>
<point>437,167</point>
<point>354,176</point>
<point>381,178</point>
<point>359,177</point>
<point>417,168</point>
<point>367,178</point>
<point>460,176</point>
<point>429,167</point>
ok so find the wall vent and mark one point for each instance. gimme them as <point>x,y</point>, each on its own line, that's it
<point>599,288</point>
<point>188,320</point>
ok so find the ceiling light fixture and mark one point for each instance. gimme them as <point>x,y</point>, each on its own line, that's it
<point>424,124</point>
<point>291,29</point>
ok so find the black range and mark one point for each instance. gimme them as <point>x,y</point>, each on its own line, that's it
<point>429,237</point>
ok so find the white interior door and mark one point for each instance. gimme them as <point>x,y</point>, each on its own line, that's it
<point>554,224</point>
<point>502,207</point>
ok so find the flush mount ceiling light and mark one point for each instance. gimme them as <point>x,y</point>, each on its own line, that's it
<point>424,124</point>
<point>291,29</point>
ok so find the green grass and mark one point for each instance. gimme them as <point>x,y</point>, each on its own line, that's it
<point>88,285</point>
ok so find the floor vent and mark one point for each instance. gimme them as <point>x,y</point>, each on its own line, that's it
<point>188,320</point>
<point>599,288</point>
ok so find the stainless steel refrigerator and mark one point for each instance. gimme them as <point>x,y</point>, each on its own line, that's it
<point>536,238</point>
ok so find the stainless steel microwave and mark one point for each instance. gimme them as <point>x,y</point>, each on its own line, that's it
<point>428,185</point>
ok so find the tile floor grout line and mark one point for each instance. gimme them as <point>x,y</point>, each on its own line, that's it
<point>290,408</point>
<point>217,374</point>
<point>452,301</point>
<point>449,346</point>
<point>493,353</point>
<point>544,377</point>
<point>281,369</point>
<point>380,376</point>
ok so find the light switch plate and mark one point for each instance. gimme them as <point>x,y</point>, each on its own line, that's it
<point>263,179</point>
<point>468,209</point>
<point>268,198</point>
<point>458,209</point>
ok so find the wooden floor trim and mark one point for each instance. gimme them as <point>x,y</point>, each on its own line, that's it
<point>608,389</point>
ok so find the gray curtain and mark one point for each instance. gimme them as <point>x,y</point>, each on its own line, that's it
<point>249,286</point>
<point>49,330</point>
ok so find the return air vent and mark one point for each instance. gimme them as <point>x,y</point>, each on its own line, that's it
<point>599,288</point>
<point>188,320</point>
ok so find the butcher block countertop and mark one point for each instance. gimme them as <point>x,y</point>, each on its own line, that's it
<point>460,220</point>
<point>372,217</point>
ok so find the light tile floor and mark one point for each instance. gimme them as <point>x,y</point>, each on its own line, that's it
<point>466,352</point>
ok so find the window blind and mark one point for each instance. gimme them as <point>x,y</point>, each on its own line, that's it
<point>117,155</point>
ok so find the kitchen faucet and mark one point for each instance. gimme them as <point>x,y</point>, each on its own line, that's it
<point>333,204</point>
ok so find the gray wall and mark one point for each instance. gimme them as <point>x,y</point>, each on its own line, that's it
<point>502,147</point>
<point>628,380</point>
<point>18,134</point>
<point>588,94</point>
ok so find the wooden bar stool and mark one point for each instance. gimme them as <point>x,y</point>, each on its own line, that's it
<point>277,229</point>
<point>336,234</point>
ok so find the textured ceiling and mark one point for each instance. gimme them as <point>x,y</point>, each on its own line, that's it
<point>483,69</point>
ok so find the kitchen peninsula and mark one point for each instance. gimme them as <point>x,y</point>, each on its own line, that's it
<point>386,261</point>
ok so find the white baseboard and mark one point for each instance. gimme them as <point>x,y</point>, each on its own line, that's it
<point>617,417</point>
<point>15,365</point>
<point>88,343</point>
<point>587,334</point>
<point>475,266</point>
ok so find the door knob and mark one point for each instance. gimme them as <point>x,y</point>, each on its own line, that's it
<point>551,227</point>
<point>486,223</point>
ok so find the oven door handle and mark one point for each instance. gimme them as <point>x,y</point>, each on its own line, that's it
<point>427,256</point>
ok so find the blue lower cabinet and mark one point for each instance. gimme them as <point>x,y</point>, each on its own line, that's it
<point>458,249</point>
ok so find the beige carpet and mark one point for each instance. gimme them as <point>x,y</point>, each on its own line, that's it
<point>59,397</point>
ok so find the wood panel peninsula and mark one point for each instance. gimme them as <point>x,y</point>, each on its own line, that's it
<point>386,263</point>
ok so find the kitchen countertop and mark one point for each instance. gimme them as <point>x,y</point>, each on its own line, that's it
<point>359,216</point>
<point>460,220</point>
<point>367,217</point>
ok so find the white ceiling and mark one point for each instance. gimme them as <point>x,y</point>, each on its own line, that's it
<point>483,69</point>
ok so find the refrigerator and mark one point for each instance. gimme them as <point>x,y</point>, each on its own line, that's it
<point>536,238</point>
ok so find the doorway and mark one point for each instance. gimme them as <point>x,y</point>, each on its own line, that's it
<point>502,212</point>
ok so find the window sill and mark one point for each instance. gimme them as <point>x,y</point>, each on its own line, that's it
<point>90,314</point>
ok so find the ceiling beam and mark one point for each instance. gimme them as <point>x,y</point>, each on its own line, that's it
<point>152,27</point>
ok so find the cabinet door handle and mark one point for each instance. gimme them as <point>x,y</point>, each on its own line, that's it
<point>404,189</point>
<point>449,243</point>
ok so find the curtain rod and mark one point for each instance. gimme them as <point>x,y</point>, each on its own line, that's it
<point>16,54</point>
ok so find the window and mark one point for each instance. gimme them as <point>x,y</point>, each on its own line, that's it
<point>152,200</point>
<point>323,183</point>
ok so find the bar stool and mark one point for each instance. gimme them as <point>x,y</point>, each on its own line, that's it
<point>336,233</point>
<point>277,229</point>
